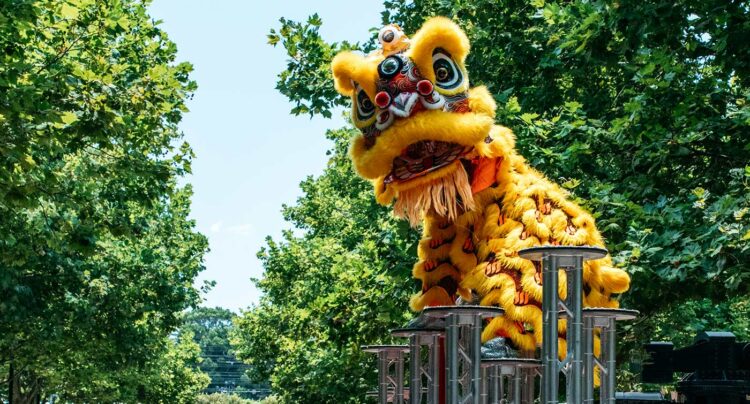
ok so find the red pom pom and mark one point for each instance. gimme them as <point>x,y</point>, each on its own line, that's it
<point>382,99</point>
<point>424,87</point>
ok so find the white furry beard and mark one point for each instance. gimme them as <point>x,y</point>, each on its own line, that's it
<point>447,196</point>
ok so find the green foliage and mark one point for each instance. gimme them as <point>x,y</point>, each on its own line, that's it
<point>306,81</point>
<point>210,328</point>
<point>97,253</point>
<point>174,377</point>
<point>218,398</point>
<point>340,284</point>
<point>640,108</point>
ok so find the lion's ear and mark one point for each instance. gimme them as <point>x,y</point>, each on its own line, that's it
<point>350,68</point>
<point>442,33</point>
<point>344,65</point>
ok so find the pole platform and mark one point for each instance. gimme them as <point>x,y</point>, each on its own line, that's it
<point>464,310</point>
<point>570,259</point>
<point>605,320</point>
<point>586,252</point>
<point>463,349</point>
<point>408,332</point>
<point>607,313</point>
<point>424,370</point>
<point>522,372</point>
<point>390,383</point>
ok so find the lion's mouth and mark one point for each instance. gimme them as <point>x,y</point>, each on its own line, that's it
<point>423,157</point>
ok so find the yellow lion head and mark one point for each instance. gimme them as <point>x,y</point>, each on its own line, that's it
<point>419,119</point>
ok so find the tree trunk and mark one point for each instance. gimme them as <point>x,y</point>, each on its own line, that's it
<point>11,379</point>
<point>25,388</point>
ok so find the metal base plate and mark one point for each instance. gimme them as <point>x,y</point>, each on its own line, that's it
<point>587,252</point>
<point>385,348</point>
<point>527,363</point>
<point>408,332</point>
<point>445,311</point>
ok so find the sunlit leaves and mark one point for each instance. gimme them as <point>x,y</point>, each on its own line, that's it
<point>639,108</point>
<point>97,253</point>
<point>343,282</point>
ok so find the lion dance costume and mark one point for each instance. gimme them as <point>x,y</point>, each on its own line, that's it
<point>430,146</point>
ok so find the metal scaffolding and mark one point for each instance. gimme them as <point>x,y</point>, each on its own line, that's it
<point>390,371</point>
<point>569,259</point>
<point>520,372</point>
<point>470,379</point>
<point>463,345</point>
<point>424,370</point>
<point>605,321</point>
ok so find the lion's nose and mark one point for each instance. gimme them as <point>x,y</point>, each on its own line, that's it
<point>403,104</point>
<point>383,99</point>
<point>424,87</point>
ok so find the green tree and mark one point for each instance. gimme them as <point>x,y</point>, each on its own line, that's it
<point>97,253</point>
<point>211,328</point>
<point>342,284</point>
<point>638,107</point>
<point>175,377</point>
<point>218,398</point>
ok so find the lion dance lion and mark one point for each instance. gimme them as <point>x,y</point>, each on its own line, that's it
<point>431,148</point>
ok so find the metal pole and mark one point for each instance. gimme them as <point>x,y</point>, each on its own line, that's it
<point>415,368</point>
<point>451,339</point>
<point>494,385</point>
<point>399,378</point>
<point>549,333</point>
<point>528,388</point>
<point>443,380</point>
<point>476,358</point>
<point>485,382</point>
<point>588,362</point>
<point>517,385</point>
<point>574,375</point>
<point>608,352</point>
<point>382,377</point>
<point>433,367</point>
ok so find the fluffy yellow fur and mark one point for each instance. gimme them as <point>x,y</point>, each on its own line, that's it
<point>475,250</point>
<point>438,195</point>
<point>465,129</point>
<point>439,32</point>
<point>350,68</point>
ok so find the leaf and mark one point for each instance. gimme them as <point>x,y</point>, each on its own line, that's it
<point>647,69</point>
<point>512,105</point>
<point>68,12</point>
<point>28,161</point>
<point>68,117</point>
<point>273,39</point>
<point>529,117</point>
<point>573,106</point>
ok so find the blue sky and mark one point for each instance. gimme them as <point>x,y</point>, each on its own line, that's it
<point>251,154</point>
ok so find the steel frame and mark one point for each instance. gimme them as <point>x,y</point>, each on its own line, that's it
<point>424,375</point>
<point>463,343</point>
<point>390,383</point>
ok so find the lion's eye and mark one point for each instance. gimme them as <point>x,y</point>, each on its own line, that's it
<point>365,107</point>
<point>442,73</point>
<point>390,66</point>
<point>447,74</point>
<point>388,34</point>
